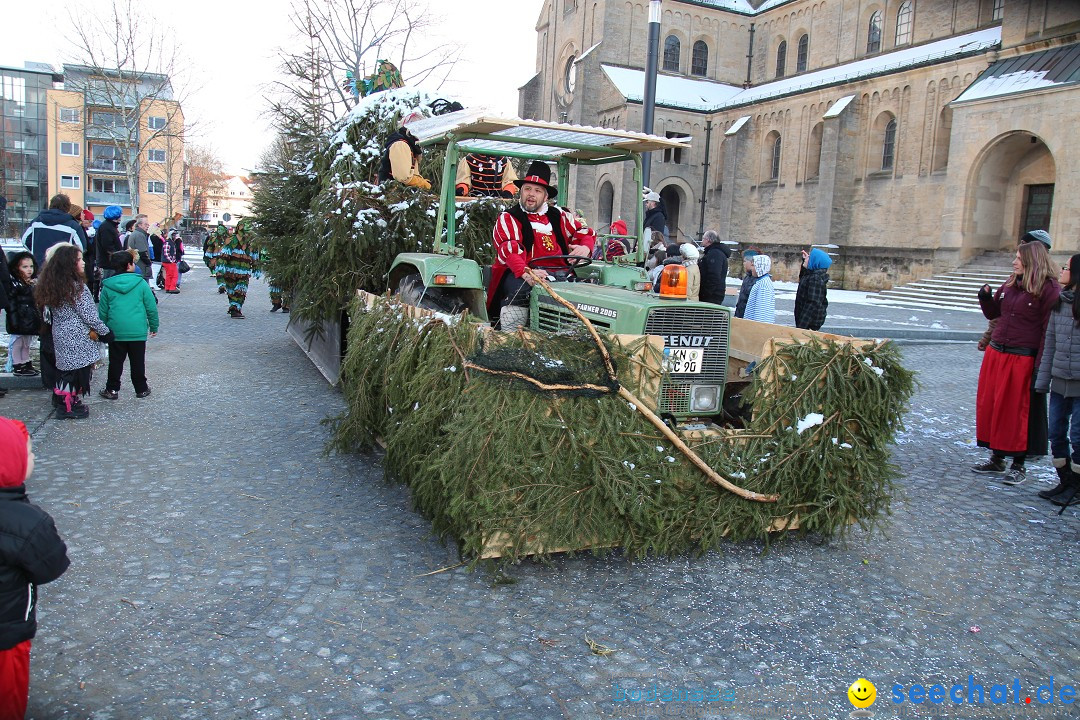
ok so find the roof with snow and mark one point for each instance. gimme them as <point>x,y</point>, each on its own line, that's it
<point>535,138</point>
<point>1055,67</point>
<point>705,95</point>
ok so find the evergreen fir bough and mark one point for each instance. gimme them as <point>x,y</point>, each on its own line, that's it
<point>491,460</point>
<point>328,227</point>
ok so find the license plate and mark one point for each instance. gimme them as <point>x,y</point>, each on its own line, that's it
<point>683,361</point>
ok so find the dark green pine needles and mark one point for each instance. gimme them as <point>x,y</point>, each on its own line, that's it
<point>492,460</point>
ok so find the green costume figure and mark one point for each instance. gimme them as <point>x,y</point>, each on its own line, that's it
<point>211,249</point>
<point>237,261</point>
<point>277,299</point>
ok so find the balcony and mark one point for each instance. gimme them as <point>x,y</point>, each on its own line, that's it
<point>106,166</point>
<point>115,133</point>
<point>99,198</point>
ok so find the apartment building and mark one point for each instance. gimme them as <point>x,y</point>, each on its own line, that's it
<point>119,140</point>
<point>229,202</point>
<point>24,149</point>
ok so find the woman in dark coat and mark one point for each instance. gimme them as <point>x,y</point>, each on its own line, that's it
<point>811,300</point>
<point>1010,417</point>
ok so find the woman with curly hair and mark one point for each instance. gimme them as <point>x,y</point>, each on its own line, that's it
<point>67,304</point>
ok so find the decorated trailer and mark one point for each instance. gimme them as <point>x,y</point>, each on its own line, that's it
<point>620,417</point>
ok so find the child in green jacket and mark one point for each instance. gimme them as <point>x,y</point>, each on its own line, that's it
<point>129,308</point>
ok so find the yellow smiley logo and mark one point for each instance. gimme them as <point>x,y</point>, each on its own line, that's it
<point>862,693</point>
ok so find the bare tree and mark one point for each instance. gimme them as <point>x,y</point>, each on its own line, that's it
<point>343,37</point>
<point>205,178</point>
<point>126,65</point>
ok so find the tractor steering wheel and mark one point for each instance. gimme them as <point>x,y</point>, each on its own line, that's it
<point>561,274</point>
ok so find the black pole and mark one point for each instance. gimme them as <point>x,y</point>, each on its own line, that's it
<point>650,84</point>
<point>749,57</point>
<point>705,178</point>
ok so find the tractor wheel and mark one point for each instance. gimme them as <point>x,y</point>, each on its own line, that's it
<point>412,291</point>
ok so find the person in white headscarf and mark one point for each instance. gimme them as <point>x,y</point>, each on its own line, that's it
<point>761,306</point>
<point>690,255</point>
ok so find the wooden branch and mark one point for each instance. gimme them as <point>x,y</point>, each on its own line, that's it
<point>660,425</point>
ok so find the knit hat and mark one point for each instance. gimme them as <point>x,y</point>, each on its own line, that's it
<point>762,265</point>
<point>689,251</point>
<point>113,212</point>
<point>652,197</point>
<point>13,454</point>
<point>1033,235</point>
<point>618,227</point>
<point>88,216</point>
<point>749,254</point>
<point>818,260</point>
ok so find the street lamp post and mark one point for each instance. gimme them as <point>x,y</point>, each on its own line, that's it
<point>650,83</point>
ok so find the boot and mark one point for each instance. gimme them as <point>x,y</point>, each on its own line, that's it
<point>1065,479</point>
<point>1070,494</point>
<point>221,290</point>
<point>275,307</point>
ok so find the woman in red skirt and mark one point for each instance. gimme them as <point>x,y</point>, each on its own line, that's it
<point>1010,418</point>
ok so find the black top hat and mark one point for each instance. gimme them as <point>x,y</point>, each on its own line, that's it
<point>538,174</point>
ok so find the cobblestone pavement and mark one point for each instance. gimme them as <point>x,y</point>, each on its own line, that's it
<point>223,567</point>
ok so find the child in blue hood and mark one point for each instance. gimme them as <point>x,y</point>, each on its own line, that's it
<point>811,302</point>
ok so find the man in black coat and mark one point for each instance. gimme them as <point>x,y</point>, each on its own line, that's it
<point>713,266</point>
<point>31,554</point>
<point>51,227</point>
<point>655,217</point>
<point>108,239</point>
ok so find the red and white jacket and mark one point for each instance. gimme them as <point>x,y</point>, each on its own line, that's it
<point>510,251</point>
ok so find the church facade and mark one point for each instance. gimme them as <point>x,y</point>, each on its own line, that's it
<point>910,135</point>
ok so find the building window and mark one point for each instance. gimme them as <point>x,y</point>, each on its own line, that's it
<point>699,62</point>
<point>155,186</point>
<point>999,9</point>
<point>672,51</point>
<point>781,58</point>
<point>774,161</point>
<point>888,146</point>
<point>100,185</point>
<point>873,34</point>
<point>155,156</point>
<point>607,203</point>
<point>804,54</point>
<point>156,123</point>
<point>675,155</point>
<point>69,148</point>
<point>570,78</point>
<point>71,182</point>
<point>13,89</point>
<point>903,24</point>
<point>69,115</point>
<point>813,154</point>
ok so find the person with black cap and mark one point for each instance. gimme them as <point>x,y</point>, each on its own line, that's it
<point>531,230</point>
<point>401,155</point>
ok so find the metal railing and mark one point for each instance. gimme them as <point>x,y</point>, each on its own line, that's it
<point>101,198</point>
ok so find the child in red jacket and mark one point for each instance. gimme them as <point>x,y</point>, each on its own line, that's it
<point>31,554</point>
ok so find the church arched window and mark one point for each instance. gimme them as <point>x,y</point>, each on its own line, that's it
<point>873,34</point>
<point>672,51</point>
<point>781,58</point>
<point>903,24</point>
<point>699,62</point>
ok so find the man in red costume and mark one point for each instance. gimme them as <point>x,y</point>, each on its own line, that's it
<point>530,231</point>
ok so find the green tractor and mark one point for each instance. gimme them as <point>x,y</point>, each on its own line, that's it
<point>616,296</point>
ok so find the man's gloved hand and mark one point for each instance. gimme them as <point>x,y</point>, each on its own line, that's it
<point>506,194</point>
<point>459,191</point>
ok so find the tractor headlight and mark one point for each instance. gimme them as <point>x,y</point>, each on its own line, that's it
<point>703,398</point>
